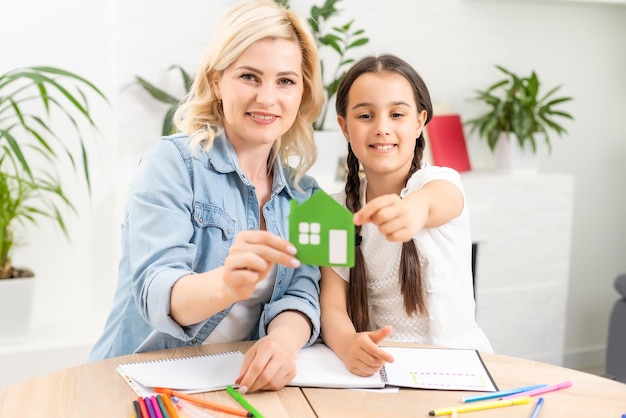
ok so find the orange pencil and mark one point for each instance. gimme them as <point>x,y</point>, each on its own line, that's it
<point>204,403</point>
<point>171,409</point>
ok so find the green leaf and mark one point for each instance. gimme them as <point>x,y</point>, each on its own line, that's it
<point>33,101</point>
<point>358,42</point>
<point>156,92</point>
<point>187,78</point>
<point>168,122</point>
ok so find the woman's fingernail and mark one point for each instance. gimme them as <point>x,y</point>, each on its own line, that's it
<point>291,249</point>
<point>295,262</point>
<point>243,390</point>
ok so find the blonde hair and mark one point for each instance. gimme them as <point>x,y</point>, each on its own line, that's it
<point>200,115</point>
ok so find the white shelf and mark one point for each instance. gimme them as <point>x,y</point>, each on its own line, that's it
<point>522,269</point>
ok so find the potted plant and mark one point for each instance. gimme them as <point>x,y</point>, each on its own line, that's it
<point>34,102</point>
<point>518,110</point>
<point>340,39</point>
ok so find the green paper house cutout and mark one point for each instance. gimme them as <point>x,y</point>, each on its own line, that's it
<point>322,231</point>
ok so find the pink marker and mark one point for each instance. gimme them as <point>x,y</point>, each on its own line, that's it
<point>540,391</point>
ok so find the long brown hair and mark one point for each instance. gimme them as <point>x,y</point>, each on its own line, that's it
<point>411,283</point>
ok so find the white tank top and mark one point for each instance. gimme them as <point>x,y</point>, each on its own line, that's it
<point>241,321</point>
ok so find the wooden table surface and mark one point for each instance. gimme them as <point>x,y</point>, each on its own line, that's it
<point>96,390</point>
<point>590,396</point>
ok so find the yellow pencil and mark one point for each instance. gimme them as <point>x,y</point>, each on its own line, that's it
<point>480,406</point>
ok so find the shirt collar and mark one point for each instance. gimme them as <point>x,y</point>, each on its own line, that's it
<point>223,158</point>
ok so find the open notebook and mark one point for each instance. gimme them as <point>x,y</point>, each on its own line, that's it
<point>317,366</point>
<point>423,368</point>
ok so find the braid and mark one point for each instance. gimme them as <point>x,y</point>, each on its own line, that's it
<point>357,289</point>
<point>411,283</point>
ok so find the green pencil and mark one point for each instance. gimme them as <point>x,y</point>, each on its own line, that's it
<point>242,401</point>
<point>162,407</point>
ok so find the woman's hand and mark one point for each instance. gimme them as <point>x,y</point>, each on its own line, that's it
<point>267,365</point>
<point>196,297</point>
<point>270,363</point>
<point>250,259</point>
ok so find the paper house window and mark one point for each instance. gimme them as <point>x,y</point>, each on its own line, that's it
<point>309,233</point>
<point>322,231</point>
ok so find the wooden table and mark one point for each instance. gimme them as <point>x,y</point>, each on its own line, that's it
<point>96,390</point>
<point>590,396</point>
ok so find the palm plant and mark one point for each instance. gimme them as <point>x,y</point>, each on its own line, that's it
<point>517,108</point>
<point>32,101</point>
<point>169,99</point>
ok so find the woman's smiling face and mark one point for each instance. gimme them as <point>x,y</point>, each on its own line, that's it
<point>261,92</point>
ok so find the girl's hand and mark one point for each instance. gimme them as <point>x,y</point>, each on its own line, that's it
<point>435,204</point>
<point>250,259</point>
<point>395,218</point>
<point>364,357</point>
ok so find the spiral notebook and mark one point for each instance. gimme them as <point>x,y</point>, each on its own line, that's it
<point>421,368</point>
<point>194,374</point>
<point>318,366</point>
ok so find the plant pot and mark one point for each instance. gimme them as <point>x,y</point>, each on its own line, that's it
<point>16,307</point>
<point>509,156</point>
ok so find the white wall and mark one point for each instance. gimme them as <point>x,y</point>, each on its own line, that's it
<point>454,44</point>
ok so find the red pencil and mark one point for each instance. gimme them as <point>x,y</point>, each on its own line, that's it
<point>142,407</point>
<point>204,403</point>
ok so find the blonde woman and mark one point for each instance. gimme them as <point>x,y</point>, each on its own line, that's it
<point>205,257</point>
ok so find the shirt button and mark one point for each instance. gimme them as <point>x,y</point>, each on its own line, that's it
<point>194,341</point>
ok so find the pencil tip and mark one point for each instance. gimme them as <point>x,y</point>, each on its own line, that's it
<point>431,413</point>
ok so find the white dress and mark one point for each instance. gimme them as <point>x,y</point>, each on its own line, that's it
<point>445,259</point>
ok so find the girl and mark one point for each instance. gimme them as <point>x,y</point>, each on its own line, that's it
<point>412,278</point>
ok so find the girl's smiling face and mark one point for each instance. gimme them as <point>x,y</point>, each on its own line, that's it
<point>382,123</point>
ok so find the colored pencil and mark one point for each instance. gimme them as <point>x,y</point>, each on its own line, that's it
<point>206,404</point>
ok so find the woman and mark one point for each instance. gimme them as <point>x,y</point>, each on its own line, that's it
<point>205,257</point>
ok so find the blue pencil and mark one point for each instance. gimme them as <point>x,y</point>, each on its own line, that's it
<point>535,413</point>
<point>501,393</point>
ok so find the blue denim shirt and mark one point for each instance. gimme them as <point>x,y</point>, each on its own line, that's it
<point>182,216</point>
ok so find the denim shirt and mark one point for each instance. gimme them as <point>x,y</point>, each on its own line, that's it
<point>182,216</point>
